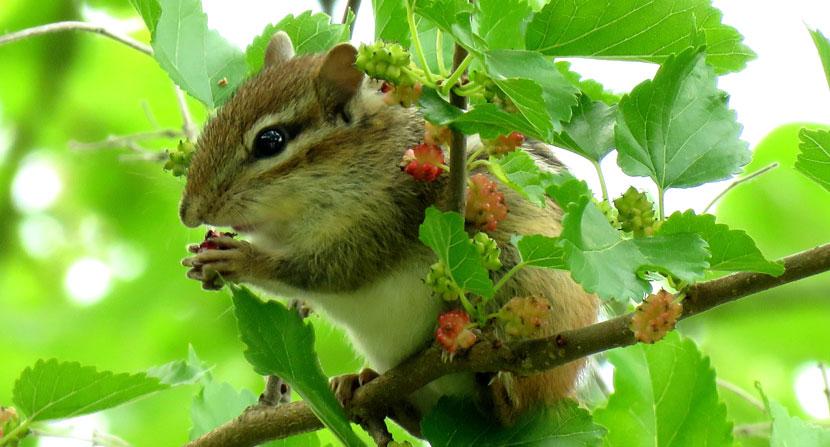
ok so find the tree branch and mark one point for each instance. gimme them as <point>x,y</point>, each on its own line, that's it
<point>258,424</point>
<point>75,26</point>
<point>353,6</point>
<point>458,147</point>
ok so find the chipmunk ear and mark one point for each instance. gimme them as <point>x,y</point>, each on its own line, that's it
<point>338,78</point>
<point>280,49</point>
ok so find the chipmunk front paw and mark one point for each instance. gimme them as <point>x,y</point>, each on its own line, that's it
<point>225,259</point>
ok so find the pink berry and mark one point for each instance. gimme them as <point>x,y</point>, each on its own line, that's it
<point>485,203</point>
<point>655,317</point>
<point>525,316</point>
<point>423,162</point>
<point>453,333</point>
<point>209,243</point>
<point>437,135</point>
<point>503,144</point>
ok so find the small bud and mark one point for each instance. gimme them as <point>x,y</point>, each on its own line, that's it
<point>179,160</point>
<point>655,317</point>
<point>485,204</point>
<point>423,162</point>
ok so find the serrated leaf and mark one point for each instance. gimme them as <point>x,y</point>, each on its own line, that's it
<point>590,87</point>
<point>567,189</point>
<point>309,33</point>
<point>590,132</point>
<point>642,30</point>
<point>458,423</point>
<point>814,156</point>
<point>490,121</point>
<point>605,263</point>
<point>790,431</point>
<point>665,395</point>
<point>536,87</point>
<point>540,251</point>
<point>149,10</point>
<point>502,23</point>
<point>278,342</point>
<point>452,17</point>
<point>437,110</point>
<point>390,21</point>
<point>444,233</point>
<point>218,403</point>
<point>823,47</point>
<point>181,372</point>
<point>518,171</point>
<point>53,389</point>
<point>732,250</point>
<point>677,129</point>
<point>196,58</point>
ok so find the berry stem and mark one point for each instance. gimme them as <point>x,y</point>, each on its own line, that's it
<point>469,90</point>
<point>456,75</point>
<point>416,41</point>
<point>466,304</point>
<point>16,433</point>
<point>479,163</point>
<point>508,275</point>
<point>474,156</point>
<point>439,54</point>
<point>601,181</point>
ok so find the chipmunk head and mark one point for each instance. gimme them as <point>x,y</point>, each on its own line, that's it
<point>289,145</point>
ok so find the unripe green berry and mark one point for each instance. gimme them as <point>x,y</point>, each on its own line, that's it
<point>636,213</point>
<point>441,282</point>
<point>488,250</point>
<point>385,61</point>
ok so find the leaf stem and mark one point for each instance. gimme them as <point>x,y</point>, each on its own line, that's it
<point>16,434</point>
<point>508,275</point>
<point>660,206</point>
<point>749,177</point>
<point>601,180</point>
<point>456,75</point>
<point>439,53</point>
<point>743,394</point>
<point>416,41</point>
<point>474,156</point>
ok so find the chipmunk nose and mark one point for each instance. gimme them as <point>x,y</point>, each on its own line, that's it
<point>189,214</point>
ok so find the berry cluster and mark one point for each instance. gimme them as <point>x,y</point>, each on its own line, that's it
<point>8,419</point>
<point>636,213</point>
<point>179,160</point>
<point>454,332</point>
<point>485,203</point>
<point>655,317</point>
<point>441,282</point>
<point>424,162</point>
<point>488,250</point>
<point>387,61</point>
<point>503,144</point>
<point>524,317</point>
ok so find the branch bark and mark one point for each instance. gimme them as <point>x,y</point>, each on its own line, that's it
<point>257,424</point>
<point>458,147</point>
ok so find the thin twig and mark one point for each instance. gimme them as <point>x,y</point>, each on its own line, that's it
<point>737,182</point>
<point>130,142</point>
<point>187,120</point>
<point>755,429</point>
<point>823,370</point>
<point>743,394</point>
<point>75,26</point>
<point>353,6</point>
<point>458,146</point>
<point>258,425</point>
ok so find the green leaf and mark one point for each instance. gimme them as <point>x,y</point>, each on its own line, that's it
<point>196,58</point>
<point>150,11</point>
<point>540,251</point>
<point>437,110</point>
<point>790,431</point>
<point>53,389</point>
<point>218,403</point>
<point>428,35</point>
<point>641,30</point>
<point>458,423</point>
<point>280,343</point>
<point>814,157</point>
<point>589,87</point>
<point>502,23</point>
<point>590,132</point>
<point>490,121</point>
<point>452,17</point>
<point>677,129</point>
<point>534,84</point>
<point>567,189</point>
<point>181,372</point>
<point>444,234</point>
<point>732,250</point>
<point>612,267</point>
<point>665,395</point>
<point>310,33</point>
<point>823,47</point>
<point>390,21</point>
<point>518,171</point>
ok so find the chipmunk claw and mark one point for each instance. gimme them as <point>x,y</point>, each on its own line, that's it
<point>345,386</point>
<point>228,259</point>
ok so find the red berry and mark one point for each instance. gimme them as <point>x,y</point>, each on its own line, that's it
<point>655,317</point>
<point>209,243</point>
<point>485,204</point>
<point>423,162</point>
<point>525,316</point>
<point>452,333</point>
<point>503,144</point>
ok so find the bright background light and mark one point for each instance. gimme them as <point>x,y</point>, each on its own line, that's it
<point>809,389</point>
<point>87,281</point>
<point>36,184</point>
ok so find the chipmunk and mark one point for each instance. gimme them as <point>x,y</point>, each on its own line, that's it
<point>304,159</point>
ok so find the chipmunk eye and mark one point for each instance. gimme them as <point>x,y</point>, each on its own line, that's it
<point>269,142</point>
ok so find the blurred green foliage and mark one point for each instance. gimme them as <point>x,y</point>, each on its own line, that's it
<point>70,86</point>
